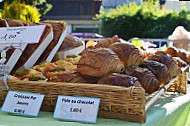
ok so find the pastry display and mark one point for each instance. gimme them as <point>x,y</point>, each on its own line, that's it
<point>146,78</point>
<point>107,42</point>
<point>110,62</point>
<point>99,62</point>
<point>119,80</point>
<point>126,79</point>
<point>159,70</point>
<point>170,63</point>
<point>127,53</point>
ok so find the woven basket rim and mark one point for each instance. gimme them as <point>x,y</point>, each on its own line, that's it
<point>76,84</point>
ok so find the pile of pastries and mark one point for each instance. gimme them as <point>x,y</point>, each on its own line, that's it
<point>112,62</point>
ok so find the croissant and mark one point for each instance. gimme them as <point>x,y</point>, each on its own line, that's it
<point>175,52</point>
<point>170,63</point>
<point>184,55</point>
<point>98,62</point>
<point>127,53</point>
<point>172,51</point>
<point>70,42</point>
<point>119,80</point>
<point>180,62</point>
<point>146,78</point>
<point>105,43</point>
<point>159,70</point>
<point>67,76</point>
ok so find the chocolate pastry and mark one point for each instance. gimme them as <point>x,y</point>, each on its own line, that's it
<point>116,79</point>
<point>170,63</point>
<point>159,70</point>
<point>146,78</point>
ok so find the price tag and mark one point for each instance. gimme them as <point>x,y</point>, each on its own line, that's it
<point>25,34</point>
<point>82,109</point>
<point>22,103</point>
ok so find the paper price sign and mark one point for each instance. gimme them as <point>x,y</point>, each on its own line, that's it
<point>82,109</point>
<point>25,34</point>
<point>23,103</point>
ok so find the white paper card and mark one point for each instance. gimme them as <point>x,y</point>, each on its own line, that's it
<point>82,109</point>
<point>25,34</point>
<point>23,103</point>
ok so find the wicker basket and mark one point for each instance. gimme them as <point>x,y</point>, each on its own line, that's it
<point>180,85</point>
<point>115,102</point>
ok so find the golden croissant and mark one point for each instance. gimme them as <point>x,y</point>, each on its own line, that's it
<point>127,53</point>
<point>98,62</point>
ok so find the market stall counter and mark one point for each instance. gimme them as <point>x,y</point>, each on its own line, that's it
<point>171,109</point>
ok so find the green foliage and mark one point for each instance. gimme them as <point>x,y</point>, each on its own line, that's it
<point>147,20</point>
<point>20,11</point>
<point>42,5</point>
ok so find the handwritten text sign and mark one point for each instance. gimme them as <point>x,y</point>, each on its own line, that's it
<point>82,109</point>
<point>25,34</point>
<point>23,103</point>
